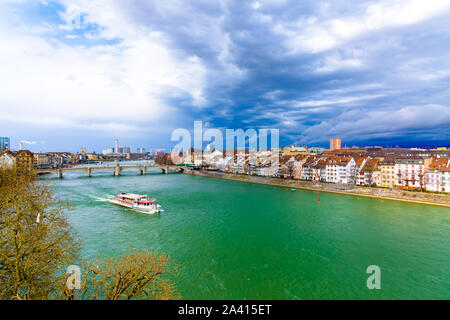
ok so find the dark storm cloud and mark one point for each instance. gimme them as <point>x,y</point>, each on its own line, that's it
<point>384,82</point>
<point>367,71</point>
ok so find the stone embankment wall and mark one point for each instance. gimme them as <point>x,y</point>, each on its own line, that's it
<point>382,193</point>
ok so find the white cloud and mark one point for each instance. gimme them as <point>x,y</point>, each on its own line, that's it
<point>319,35</point>
<point>256,5</point>
<point>28,142</point>
<point>336,62</point>
<point>340,100</point>
<point>119,87</point>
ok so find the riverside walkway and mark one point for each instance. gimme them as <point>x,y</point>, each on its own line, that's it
<point>114,168</point>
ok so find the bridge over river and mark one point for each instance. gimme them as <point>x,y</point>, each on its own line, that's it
<point>114,168</point>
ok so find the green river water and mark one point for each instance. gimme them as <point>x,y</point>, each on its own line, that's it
<point>234,240</point>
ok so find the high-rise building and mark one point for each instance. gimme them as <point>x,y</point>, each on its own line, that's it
<point>335,144</point>
<point>116,150</point>
<point>124,150</point>
<point>140,150</point>
<point>4,143</point>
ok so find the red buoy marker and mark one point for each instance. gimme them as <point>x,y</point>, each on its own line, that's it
<point>318,199</point>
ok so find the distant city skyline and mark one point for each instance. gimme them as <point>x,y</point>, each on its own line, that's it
<point>34,147</point>
<point>82,73</point>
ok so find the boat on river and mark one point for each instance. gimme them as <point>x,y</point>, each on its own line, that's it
<point>137,202</point>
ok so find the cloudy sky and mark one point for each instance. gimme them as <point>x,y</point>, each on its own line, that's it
<point>80,73</point>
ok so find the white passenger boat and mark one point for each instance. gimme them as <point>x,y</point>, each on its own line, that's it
<point>137,202</point>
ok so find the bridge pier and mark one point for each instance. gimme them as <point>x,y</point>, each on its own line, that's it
<point>117,171</point>
<point>59,173</point>
<point>88,172</point>
<point>143,170</point>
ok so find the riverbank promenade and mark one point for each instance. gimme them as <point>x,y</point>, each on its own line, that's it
<point>355,190</point>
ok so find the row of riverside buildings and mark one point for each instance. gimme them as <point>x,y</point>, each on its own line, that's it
<point>412,169</point>
<point>49,160</point>
<point>25,159</point>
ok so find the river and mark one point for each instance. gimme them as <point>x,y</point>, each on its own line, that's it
<point>235,240</point>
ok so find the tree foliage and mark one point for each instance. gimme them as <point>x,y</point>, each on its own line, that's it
<point>37,244</point>
<point>35,237</point>
<point>135,275</point>
<point>164,160</point>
